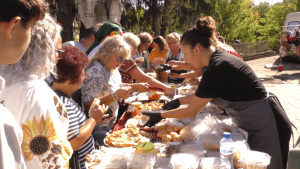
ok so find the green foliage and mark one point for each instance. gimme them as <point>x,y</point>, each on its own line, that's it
<point>273,21</point>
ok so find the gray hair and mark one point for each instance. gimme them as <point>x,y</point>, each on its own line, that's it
<point>39,59</point>
<point>174,36</point>
<point>131,39</point>
<point>111,46</point>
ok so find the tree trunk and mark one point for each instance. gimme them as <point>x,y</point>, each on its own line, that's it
<point>155,17</point>
<point>66,9</point>
<point>164,21</point>
<point>82,29</point>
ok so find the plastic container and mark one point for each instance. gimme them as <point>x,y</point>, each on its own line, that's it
<point>255,159</point>
<point>187,121</point>
<point>239,147</point>
<point>211,142</point>
<point>143,161</point>
<point>227,148</point>
<point>184,161</point>
<point>195,149</point>
<point>163,163</point>
<point>114,162</point>
<point>212,154</point>
<point>237,137</point>
<point>214,163</point>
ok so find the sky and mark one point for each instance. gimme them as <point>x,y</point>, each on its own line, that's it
<point>271,2</point>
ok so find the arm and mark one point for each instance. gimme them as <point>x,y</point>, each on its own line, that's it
<point>178,65</point>
<point>186,99</point>
<point>141,77</point>
<point>84,133</point>
<point>196,105</point>
<point>193,74</point>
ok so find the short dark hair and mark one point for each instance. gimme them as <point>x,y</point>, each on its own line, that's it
<point>71,64</point>
<point>88,32</point>
<point>26,9</point>
<point>152,33</point>
<point>234,38</point>
<point>161,42</point>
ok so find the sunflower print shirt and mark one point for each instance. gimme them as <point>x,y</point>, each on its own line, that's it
<point>44,122</point>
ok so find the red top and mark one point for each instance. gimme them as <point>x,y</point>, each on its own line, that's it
<point>125,69</point>
<point>234,53</point>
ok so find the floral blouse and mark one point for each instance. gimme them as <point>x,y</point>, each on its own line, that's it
<point>44,122</point>
<point>101,82</point>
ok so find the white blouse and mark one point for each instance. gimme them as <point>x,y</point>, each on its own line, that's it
<point>44,121</point>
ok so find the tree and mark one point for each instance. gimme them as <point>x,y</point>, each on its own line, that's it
<point>67,11</point>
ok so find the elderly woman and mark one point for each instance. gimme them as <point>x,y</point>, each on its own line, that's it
<point>175,53</point>
<point>37,109</point>
<point>103,80</point>
<point>145,41</point>
<point>158,56</point>
<point>129,69</point>
<point>70,75</point>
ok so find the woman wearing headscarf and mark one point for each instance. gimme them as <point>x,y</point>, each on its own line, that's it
<point>106,30</point>
<point>37,109</point>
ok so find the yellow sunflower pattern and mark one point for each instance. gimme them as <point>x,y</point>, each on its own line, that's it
<point>37,137</point>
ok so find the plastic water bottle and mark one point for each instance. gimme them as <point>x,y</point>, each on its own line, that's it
<point>227,148</point>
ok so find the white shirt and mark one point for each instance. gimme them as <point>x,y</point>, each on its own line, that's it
<point>181,55</point>
<point>11,137</point>
<point>76,44</point>
<point>44,122</point>
<point>94,51</point>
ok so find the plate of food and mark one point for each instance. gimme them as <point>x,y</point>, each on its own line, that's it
<point>127,137</point>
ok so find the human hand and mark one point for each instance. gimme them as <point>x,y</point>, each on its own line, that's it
<point>141,87</point>
<point>173,62</point>
<point>97,112</point>
<point>154,117</point>
<point>174,104</point>
<point>123,93</point>
<point>174,75</point>
<point>169,90</point>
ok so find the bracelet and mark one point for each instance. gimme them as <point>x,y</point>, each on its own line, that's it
<point>115,96</point>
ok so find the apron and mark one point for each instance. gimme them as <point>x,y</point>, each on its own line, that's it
<point>255,117</point>
<point>175,80</point>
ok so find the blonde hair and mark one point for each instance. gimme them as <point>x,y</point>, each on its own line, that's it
<point>111,46</point>
<point>174,36</point>
<point>39,60</point>
<point>131,39</point>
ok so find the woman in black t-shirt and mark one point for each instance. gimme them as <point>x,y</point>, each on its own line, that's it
<point>230,83</point>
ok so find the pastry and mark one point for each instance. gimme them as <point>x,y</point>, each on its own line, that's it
<point>166,138</point>
<point>177,138</point>
<point>160,134</point>
<point>176,128</point>
<point>169,130</point>
<point>182,127</point>
<point>173,134</point>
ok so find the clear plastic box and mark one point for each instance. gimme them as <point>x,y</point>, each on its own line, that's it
<point>236,137</point>
<point>143,161</point>
<point>163,163</point>
<point>212,154</point>
<point>184,161</point>
<point>214,163</point>
<point>211,142</point>
<point>254,159</point>
<point>114,162</point>
<point>195,149</point>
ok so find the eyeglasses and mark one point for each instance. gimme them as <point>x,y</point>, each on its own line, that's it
<point>60,51</point>
<point>120,59</point>
<point>171,43</point>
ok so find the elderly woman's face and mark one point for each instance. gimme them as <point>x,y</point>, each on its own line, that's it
<point>114,62</point>
<point>172,44</point>
<point>133,49</point>
<point>144,46</point>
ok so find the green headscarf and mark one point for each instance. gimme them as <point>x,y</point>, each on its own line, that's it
<point>102,32</point>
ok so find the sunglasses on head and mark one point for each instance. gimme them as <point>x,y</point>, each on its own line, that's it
<point>120,59</point>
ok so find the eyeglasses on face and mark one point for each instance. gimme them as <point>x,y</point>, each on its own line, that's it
<point>120,59</point>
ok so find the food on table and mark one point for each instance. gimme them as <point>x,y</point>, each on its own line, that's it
<point>173,134</point>
<point>169,129</point>
<point>138,108</point>
<point>127,137</point>
<point>187,89</point>
<point>176,128</point>
<point>166,138</point>
<point>145,147</point>
<point>191,81</point>
<point>212,146</point>
<point>143,161</point>
<point>182,127</point>
<point>152,106</point>
<point>161,133</point>
<point>184,160</point>
<point>178,138</point>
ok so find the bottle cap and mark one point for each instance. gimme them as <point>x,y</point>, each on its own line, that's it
<point>226,135</point>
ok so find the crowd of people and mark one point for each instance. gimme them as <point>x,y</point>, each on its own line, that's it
<point>61,100</point>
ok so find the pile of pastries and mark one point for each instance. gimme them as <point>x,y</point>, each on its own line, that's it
<point>152,105</point>
<point>187,89</point>
<point>127,137</point>
<point>169,133</point>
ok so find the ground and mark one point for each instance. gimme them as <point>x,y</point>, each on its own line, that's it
<point>285,85</point>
